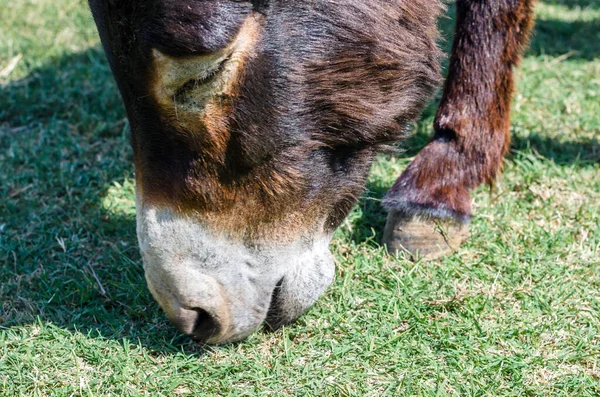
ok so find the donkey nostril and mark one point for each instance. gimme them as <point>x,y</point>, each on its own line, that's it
<point>205,326</point>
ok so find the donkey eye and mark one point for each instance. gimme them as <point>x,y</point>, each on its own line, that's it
<point>206,78</point>
<point>185,93</point>
<point>211,74</point>
<point>189,84</point>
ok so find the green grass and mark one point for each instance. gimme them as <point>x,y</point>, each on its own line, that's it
<point>516,312</point>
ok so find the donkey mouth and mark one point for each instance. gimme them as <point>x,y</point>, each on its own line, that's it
<point>275,316</point>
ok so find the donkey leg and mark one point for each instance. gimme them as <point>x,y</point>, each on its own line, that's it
<point>430,204</point>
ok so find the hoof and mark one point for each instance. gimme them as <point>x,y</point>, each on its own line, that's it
<point>428,239</point>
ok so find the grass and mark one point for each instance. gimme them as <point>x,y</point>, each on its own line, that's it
<point>516,312</point>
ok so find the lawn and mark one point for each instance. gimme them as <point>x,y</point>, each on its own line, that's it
<point>515,312</point>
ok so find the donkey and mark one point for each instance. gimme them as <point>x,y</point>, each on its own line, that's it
<point>254,125</point>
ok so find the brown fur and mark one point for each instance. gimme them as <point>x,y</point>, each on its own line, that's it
<point>473,121</point>
<point>327,85</point>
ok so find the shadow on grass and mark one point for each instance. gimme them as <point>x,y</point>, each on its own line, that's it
<point>63,145</point>
<point>593,4</point>
<point>575,40</point>
<point>552,37</point>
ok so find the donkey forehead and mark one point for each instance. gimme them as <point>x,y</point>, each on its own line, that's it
<point>180,28</point>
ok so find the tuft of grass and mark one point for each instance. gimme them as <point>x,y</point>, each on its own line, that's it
<point>515,312</point>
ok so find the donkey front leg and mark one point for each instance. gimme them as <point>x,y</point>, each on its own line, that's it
<point>430,204</point>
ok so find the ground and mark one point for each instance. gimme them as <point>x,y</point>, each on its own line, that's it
<point>515,312</point>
